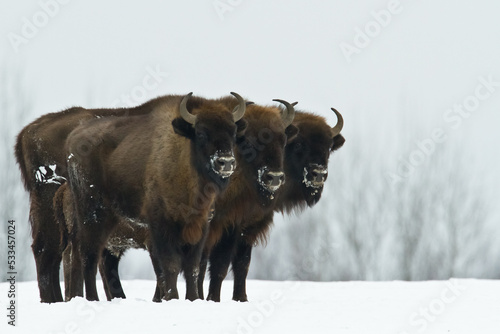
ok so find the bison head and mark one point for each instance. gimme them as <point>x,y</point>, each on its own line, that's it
<point>212,129</point>
<point>306,157</point>
<point>262,147</point>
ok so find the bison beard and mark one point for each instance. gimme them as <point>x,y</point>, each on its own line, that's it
<point>306,155</point>
<point>130,174</point>
<point>243,215</point>
<point>235,246</point>
<point>311,147</point>
<point>245,195</point>
<point>233,243</point>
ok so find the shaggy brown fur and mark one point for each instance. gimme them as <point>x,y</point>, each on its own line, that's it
<point>305,152</point>
<point>128,234</point>
<point>246,200</point>
<point>243,215</point>
<point>239,222</point>
<point>139,168</point>
<point>65,217</point>
<point>312,147</point>
<point>39,151</point>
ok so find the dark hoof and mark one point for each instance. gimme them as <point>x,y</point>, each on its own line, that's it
<point>121,296</point>
<point>171,294</point>
<point>192,296</point>
<point>213,298</point>
<point>242,299</point>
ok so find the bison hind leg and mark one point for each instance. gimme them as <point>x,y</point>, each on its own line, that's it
<point>108,267</point>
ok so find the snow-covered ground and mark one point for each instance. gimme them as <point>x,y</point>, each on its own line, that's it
<point>454,306</point>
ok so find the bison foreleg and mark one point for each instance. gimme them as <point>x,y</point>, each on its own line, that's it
<point>168,280</point>
<point>158,296</point>
<point>168,256</point>
<point>203,270</point>
<point>241,264</point>
<point>191,265</point>
<point>220,258</point>
<point>191,273</point>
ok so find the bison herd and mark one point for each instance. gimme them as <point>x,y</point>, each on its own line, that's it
<point>194,181</point>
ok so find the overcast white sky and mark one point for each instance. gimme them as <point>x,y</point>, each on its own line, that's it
<point>265,49</point>
<point>420,61</point>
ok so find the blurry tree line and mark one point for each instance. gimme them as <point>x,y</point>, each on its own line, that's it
<point>16,107</point>
<point>436,223</point>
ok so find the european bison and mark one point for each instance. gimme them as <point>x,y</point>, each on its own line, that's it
<point>165,169</point>
<point>39,151</point>
<point>247,207</point>
<point>253,187</point>
<point>306,161</point>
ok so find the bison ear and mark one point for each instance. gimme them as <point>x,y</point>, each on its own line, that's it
<point>183,128</point>
<point>241,127</point>
<point>291,132</point>
<point>337,142</point>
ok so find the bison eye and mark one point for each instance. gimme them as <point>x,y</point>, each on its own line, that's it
<point>201,136</point>
<point>297,147</point>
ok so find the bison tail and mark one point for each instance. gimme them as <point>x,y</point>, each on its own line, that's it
<point>19,153</point>
<point>58,204</point>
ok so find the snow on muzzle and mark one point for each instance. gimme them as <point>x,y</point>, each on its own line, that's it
<point>315,176</point>
<point>223,164</point>
<point>270,180</point>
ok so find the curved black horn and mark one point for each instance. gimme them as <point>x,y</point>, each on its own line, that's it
<point>239,110</point>
<point>289,114</point>
<point>185,114</point>
<point>340,123</point>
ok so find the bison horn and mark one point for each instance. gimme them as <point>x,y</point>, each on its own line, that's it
<point>340,123</point>
<point>289,114</point>
<point>239,110</point>
<point>185,114</point>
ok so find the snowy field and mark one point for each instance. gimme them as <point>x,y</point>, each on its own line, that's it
<point>454,306</point>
